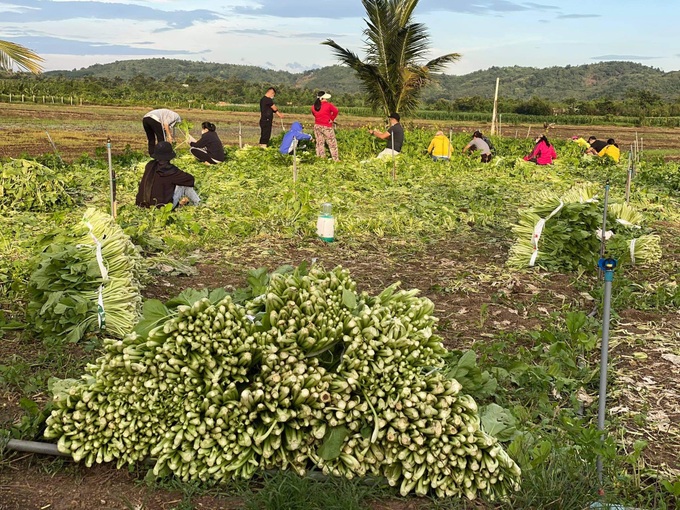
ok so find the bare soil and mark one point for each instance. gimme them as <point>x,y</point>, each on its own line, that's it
<point>81,130</point>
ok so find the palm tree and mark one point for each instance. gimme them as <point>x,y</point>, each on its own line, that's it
<point>14,54</point>
<point>393,73</point>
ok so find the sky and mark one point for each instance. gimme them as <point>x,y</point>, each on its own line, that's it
<point>286,34</point>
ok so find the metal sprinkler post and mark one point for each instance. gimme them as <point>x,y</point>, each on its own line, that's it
<point>606,265</point>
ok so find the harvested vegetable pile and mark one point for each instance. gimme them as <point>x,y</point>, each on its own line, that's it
<point>29,186</point>
<point>563,233</point>
<point>87,281</point>
<point>308,374</point>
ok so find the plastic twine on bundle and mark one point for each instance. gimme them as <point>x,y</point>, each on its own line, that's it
<point>632,251</point>
<point>101,313</point>
<point>538,230</point>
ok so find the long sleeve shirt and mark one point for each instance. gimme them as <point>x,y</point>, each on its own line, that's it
<point>326,114</point>
<point>543,153</point>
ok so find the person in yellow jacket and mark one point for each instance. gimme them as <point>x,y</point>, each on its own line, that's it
<point>440,147</point>
<point>611,150</point>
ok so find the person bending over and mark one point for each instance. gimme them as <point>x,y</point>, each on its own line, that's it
<point>478,143</point>
<point>159,126</point>
<point>164,183</point>
<point>292,137</point>
<point>440,148</point>
<point>611,150</point>
<point>209,148</point>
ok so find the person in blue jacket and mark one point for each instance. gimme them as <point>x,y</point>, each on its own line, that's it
<point>295,133</point>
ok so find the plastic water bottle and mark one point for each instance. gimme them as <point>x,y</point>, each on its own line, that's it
<point>325,225</point>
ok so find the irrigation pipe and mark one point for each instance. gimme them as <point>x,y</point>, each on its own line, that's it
<point>18,445</point>
<point>607,266</point>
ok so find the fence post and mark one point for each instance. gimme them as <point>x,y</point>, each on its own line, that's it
<point>10,97</point>
<point>22,98</point>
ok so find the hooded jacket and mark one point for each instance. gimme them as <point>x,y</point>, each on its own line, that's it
<point>295,133</point>
<point>158,183</point>
<point>440,147</point>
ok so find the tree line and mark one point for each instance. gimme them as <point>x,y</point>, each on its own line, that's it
<point>148,91</point>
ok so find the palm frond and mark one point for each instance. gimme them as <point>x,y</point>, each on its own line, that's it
<point>12,54</point>
<point>392,73</point>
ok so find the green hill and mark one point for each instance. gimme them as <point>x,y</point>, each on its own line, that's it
<point>604,80</point>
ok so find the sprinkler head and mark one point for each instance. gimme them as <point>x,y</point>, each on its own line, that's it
<point>607,264</point>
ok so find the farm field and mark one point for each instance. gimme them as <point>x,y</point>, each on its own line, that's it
<point>78,130</point>
<point>443,228</point>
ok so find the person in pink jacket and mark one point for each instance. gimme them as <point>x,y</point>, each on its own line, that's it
<point>324,119</point>
<point>543,153</point>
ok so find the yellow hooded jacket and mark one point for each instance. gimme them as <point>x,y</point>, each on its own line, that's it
<point>440,147</point>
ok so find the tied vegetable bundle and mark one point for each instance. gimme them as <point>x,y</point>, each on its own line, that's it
<point>308,374</point>
<point>563,232</point>
<point>87,281</point>
<point>29,186</point>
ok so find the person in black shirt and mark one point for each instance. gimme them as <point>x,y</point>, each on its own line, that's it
<point>208,148</point>
<point>394,137</point>
<point>595,145</point>
<point>267,111</point>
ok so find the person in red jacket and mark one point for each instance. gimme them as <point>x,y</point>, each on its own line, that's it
<point>543,153</point>
<point>324,118</point>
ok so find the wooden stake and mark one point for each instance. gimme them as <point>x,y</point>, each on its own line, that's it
<point>495,108</point>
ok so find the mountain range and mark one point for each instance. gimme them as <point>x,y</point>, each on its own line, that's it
<point>605,80</point>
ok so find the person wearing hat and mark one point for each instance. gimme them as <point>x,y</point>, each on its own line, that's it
<point>159,126</point>
<point>267,111</point>
<point>164,183</point>
<point>325,114</point>
<point>394,137</point>
<point>478,143</point>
